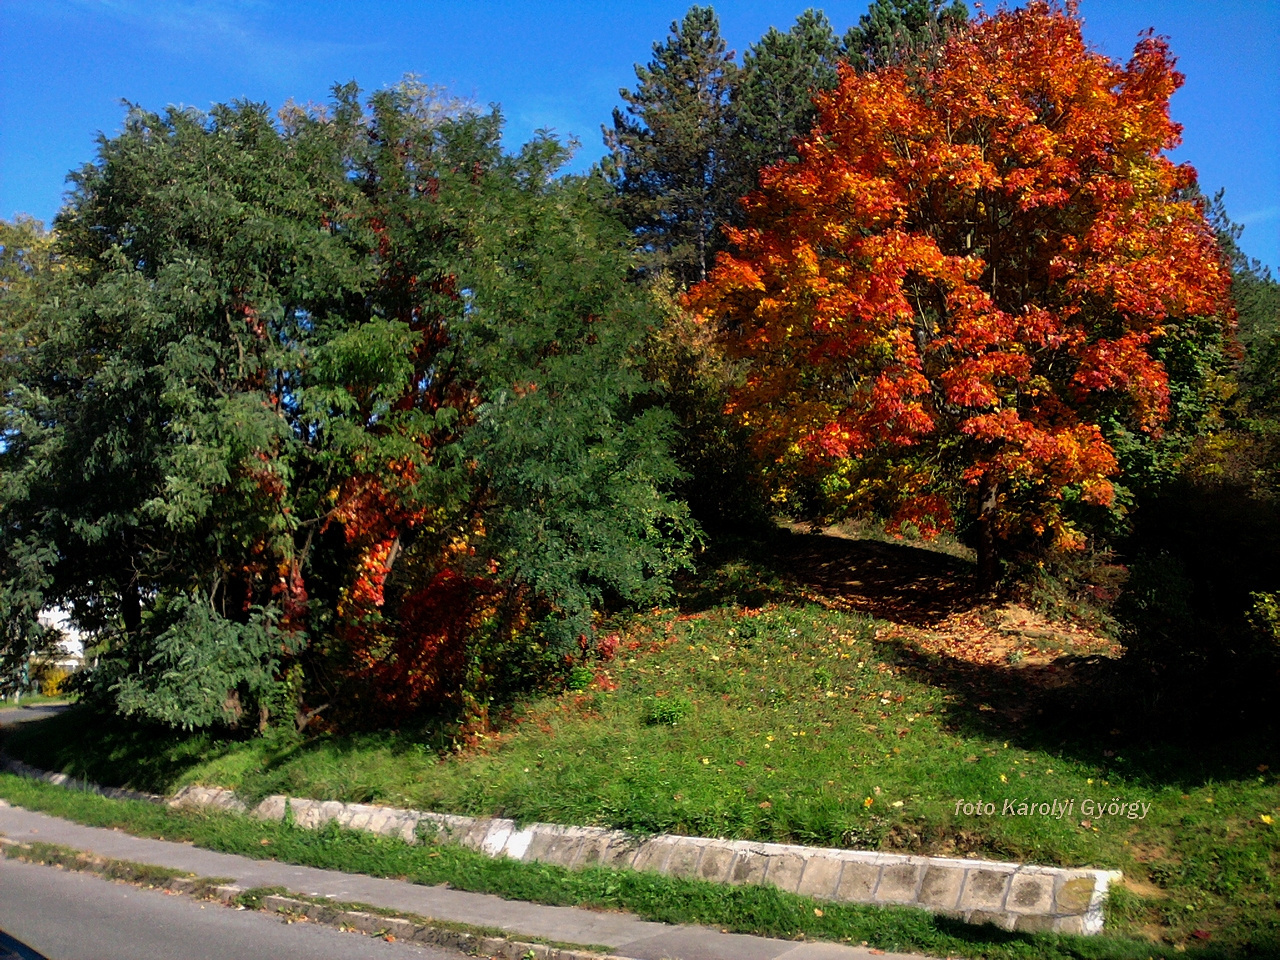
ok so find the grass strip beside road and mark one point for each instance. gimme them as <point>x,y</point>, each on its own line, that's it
<point>220,888</point>
<point>255,899</point>
<point>128,871</point>
<point>761,911</point>
<point>336,912</point>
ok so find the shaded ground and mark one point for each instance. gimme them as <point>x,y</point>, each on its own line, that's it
<point>892,581</point>
<point>1051,684</point>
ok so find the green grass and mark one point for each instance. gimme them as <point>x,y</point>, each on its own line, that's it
<point>55,854</point>
<point>791,722</point>
<point>756,910</point>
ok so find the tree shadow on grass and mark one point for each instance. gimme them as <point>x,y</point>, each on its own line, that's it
<point>892,581</point>
<point>112,751</point>
<point>1111,713</point>
<point>1098,710</point>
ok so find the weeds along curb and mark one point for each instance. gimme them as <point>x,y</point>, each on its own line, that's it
<point>1013,896</point>
<point>348,917</point>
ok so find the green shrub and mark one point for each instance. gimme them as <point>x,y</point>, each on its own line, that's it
<point>666,711</point>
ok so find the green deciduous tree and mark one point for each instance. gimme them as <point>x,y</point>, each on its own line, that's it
<point>338,409</point>
<point>28,271</point>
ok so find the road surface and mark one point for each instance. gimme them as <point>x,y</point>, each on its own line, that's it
<point>66,915</point>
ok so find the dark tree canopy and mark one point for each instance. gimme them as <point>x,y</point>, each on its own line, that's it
<point>774,97</point>
<point>1257,298</point>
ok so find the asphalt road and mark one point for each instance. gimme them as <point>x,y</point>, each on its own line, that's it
<point>11,716</point>
<point>76,916</point>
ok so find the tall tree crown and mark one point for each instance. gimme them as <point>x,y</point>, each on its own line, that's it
<point>964,277</point>
<point>902,32</point>
<point>774,98</point>
<point>670,149</point>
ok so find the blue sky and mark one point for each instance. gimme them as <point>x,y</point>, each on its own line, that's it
<point>67,64</point>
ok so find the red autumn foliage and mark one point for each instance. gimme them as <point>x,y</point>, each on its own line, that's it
<point>425,660</point>
<point>962,279</point>
<point>607,646</point>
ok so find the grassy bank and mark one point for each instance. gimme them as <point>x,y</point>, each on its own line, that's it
<point>756,910</point>
<point>751,712</point>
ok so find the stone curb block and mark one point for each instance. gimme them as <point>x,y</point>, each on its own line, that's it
<point>1011,895</point>
<point>63,780</point>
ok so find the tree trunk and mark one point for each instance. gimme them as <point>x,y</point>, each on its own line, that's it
<point>988,555</point>
<point>131,607</point>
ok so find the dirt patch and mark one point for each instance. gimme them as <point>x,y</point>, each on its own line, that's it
<point>979,636</point>
<point>1143,889</point>
<point>933,602</point>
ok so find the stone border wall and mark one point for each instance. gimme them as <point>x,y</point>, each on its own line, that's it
<point>10,765</point>
<point>1013,896</point>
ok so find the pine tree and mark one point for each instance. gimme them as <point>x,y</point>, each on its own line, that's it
<point>1257,297</point>
<point>671,160</point>
<point>895,32</point>
<point>774,96</point>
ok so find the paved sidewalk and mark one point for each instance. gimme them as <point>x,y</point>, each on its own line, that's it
<point>622,933</point>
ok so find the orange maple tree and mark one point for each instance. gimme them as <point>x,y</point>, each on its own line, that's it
<point>961,281</point>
